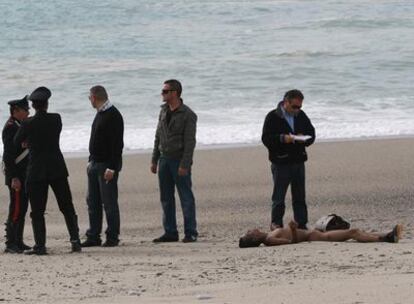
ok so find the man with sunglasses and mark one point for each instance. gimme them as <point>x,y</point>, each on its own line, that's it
<point>287,131</point>
<point>172,155</point>
<point>15,159</point>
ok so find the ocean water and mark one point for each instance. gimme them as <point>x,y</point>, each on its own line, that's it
<point>353,60</point>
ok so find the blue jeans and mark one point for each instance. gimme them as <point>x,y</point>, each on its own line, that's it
<point>102,195</point>
<point>283,175</point>
<point>169,179</point>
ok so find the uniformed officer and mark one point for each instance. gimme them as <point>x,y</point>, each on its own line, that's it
<point>46,168</point>
<point>15,163</point>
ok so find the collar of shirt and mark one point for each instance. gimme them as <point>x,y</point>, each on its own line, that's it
<point>105,106</point>
<point>289,118</point>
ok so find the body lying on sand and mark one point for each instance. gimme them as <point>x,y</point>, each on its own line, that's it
<point>292,235</point>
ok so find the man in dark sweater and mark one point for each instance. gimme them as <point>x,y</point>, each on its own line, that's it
<point>105,163</point>
<point>286,132</point>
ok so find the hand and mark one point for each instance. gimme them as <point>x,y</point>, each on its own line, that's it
<point>153,168</point>
<point>16,184</point>
<point>293,225</point>
<point>108,175</point>
<point>182,171</point>
<point>288,139</point>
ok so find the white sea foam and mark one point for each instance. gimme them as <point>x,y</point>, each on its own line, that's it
<point>353,61</point>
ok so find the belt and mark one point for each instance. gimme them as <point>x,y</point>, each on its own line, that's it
<point>21,156</point>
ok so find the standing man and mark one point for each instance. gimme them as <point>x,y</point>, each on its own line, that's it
<point>15,163</point>
<point>46,168</point>
<point>105,163</point>
<point>174,145</point>
<point>288,155</point>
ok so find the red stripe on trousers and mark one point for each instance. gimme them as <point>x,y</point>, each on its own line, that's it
<point>16,206</point>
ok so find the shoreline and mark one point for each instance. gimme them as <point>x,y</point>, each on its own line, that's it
<point>75,155</point>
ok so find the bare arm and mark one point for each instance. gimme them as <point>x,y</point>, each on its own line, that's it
<point>293,227</point>
<point>275,241</point>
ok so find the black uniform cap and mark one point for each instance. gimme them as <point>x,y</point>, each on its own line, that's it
<point>20,103</point>
<point>41,94</point>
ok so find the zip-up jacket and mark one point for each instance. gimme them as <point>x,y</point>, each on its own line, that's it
<point>176,137</point>
<point>275,126</point>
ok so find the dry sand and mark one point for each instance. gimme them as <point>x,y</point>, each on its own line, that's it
<point>368,182</point>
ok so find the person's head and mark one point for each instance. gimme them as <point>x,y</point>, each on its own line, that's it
<point>253,238</point>
<point>97,96</point>
<point>40,98</point>
<point>292,101</point>
<point>19,108</point>
<point>171,90</point>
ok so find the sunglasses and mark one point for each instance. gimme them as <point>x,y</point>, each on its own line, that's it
<point>295,107</point>
<point>165,92</point>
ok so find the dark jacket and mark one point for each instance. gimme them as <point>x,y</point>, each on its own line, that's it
<point>42,134</point>
<point>275,125</point>
<point>107,138</point>
<point>176,139</point>
<point>11,152</point>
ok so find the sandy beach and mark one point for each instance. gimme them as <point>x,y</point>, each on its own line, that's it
<point>368,182</point>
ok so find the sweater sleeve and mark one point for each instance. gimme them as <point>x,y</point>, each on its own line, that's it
<point>117,142</point>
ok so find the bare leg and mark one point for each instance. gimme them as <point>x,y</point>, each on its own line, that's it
<point>344,235</point>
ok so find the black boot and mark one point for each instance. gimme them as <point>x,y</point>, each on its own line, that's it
<point>19,236</point>
<point>72,225</point>
<point>76,246</point>
<point>11,245</point>
<point>10,233</point>
<point>73,229</point>
<point>39,232</point>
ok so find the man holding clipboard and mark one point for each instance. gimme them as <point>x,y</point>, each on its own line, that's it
<point>287,131</point>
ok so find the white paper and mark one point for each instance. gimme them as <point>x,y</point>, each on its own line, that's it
<point>301,137</point>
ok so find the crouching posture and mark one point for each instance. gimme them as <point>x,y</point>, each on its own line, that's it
<point>292,235</point>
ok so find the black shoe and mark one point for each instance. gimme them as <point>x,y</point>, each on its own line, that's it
<point>189,239</point>
<point>165,238</point>
<point>12,249</point>
<point>23,246</point>
<point>395,235</point>
<point>110,243</point>
<point>76,246</point>
<point>91,243</point>
<point>37,251</point>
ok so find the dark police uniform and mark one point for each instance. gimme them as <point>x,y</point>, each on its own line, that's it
<point>46,167</point>
<point>15,162</point>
